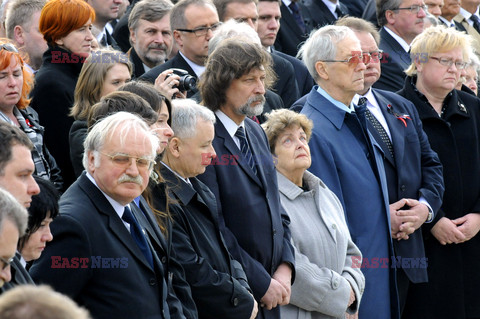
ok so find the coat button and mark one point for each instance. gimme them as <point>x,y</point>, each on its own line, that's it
<point>335,284</point>
<point>164,260</point>
<point>334,226</point>
<point>235,302</point>
<point>274,231</point>
<point>152,281</point>
<point>402,188</point>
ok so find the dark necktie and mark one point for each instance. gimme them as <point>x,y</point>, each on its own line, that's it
<point>137,234</point>
<point>245,148</point>
<point>297,16</point>
<point>377,125</point>
<point>338,12</point>
<point>476,22</point>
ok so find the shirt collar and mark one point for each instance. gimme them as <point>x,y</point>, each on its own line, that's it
<point>229,124</point>
<point>400,41</point>
<point>338,104</point>
<point>198,69</point>
<point>119,208</point>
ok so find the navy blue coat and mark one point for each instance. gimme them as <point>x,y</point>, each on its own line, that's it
<point>256,229</point>
<point>351,165</point>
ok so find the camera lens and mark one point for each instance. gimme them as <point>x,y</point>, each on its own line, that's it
<point>187,83</point>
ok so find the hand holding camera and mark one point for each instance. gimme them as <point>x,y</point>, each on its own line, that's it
<point>174,83</point>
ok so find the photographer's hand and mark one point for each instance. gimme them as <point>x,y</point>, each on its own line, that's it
<point>166,83</point>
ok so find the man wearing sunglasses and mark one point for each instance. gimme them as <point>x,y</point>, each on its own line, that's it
<point>413,170</point>
<point>400,21</point>
<point>348,159</point>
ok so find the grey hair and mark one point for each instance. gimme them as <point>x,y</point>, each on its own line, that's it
<point>185,115</point>
<point>233,29</point>
<point>474,61</point>
<point>105,129</point>
<point>20,12</point>
<point>10,209</point>
<point>383,6</point>
<point>322,45</point>
<point>150,10</point>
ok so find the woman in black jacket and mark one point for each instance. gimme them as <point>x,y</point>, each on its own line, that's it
<point>66,26</point>
<point>15,86</point>
<point>451,120</point>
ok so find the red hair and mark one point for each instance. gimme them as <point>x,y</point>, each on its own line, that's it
<point>5,60</point>
<point>60,17</point>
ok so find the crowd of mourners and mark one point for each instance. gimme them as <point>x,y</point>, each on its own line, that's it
<point>239,159</point>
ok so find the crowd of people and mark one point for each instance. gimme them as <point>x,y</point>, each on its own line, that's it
<point>239,159</point>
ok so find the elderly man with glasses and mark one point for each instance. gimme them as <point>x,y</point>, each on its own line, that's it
<point>349,160</point>
<point>400,21</point>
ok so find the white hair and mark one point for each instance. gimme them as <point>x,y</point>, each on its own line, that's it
<point>233,29</point>
<point>10,209</point>
<point>185,115</point>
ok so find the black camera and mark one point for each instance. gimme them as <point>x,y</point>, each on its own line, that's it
<point>186,81</point>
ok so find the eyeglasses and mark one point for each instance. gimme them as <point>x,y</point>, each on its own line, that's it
<point>8,47</point>
<point>201,31</point>
<point>5,262</point>
<point>373,56</point>
<point>123,160</point>
<point>449,63</point>
<point>353,60</point>
<point>413,9</point>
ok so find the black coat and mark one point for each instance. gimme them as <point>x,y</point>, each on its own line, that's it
<point>76,136</point>
<point>52,98</point>
<point>20,276</point>
<point>453,274</point>
<point>121,284</point>
<point>290,37</point>
<point>318,15</point>
<point>138,68</point>
<point>304,79</point>
<point>286,84</point>
<point>218,282</point>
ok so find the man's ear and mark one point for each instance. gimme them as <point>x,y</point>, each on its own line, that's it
<point>321,68</point>
<point>178,38</point>
<point>174,146</point>
<point>390,17</point>
<point>91,162</point>
<point>133,38</point>
<point>18,35</point>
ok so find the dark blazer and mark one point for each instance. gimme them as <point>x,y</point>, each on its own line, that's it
<point>219,284</point>
<point>303,77</point>
<point>88,227</point>
<point>452,269</point>
<point>350,164</point>
<point>355,7</point>
<point>318,15</point>
<point>138,69</point>
<point>177,62</point>
<point>20,275</point>
<point>393,64</point>
<point>290,36</point>
<point>52,98</point>
<point>414,171</point>
<point>76,137</point>
<point>370,12</point>
<point>256,229</point>
<point>286,84</point>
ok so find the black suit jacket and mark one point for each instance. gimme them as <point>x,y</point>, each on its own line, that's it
<point>286,84</point>
<point>138,69</point>
<point>252,220</point>
<point>290,36</point>
<point>318,15</point>
<point>94,259</point>
<point>20,275</point>
<point>177,62</point>
<point>414,172</point>
<point>303,77</point>
<point>393,64</point>
<point>219,284</point>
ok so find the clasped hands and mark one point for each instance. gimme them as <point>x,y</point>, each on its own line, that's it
<point>279,290</point>
<point>456,231</point>
<point>406,216</point>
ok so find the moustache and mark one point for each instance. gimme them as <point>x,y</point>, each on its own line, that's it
<point>129,179</point>
<point>254,99</point>
<point>160,46</point>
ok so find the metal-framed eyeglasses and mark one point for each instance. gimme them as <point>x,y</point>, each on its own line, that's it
<point>125,160</point>
<point>449,62</point>
<point>5,263</point>
<point>201,31</point>
<point>413,9</point>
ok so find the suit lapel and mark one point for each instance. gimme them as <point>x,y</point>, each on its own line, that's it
<point>396,127</point>
<point>145,218</point>
<point>113,220</point>
<point>230,145</point>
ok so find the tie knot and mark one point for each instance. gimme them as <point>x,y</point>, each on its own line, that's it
<point>240,133</point>
<point>293,6</point>
<point>362,101</point>
<point>127,215</point>
<point>474,18</point>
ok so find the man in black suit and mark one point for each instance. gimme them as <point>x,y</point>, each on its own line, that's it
<point>267,28</point>
<point>246,11</point>
<point>244,183</point>
<point>219,284</point>
<point>400,25</point>
<point>193,23</point>
<point>292,32</point>
<point>106,254</point>
<point>105,11</point>
<point>412,168</point>
<point>150,35</point>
